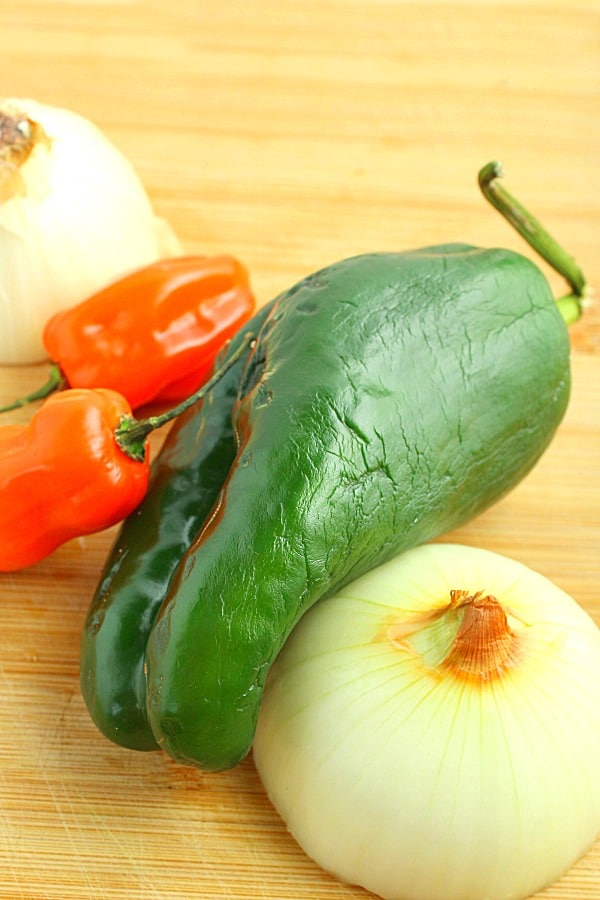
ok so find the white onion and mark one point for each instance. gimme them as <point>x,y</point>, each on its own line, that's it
<point>427,767</point>
<point>73,217</point>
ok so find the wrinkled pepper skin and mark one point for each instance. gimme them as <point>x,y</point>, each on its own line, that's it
<point>184,482</point>
<point>389,398</point>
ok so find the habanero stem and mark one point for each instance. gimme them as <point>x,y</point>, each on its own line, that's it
<point>570,306</point>
<point>56,382</point>
<point>131,433</point>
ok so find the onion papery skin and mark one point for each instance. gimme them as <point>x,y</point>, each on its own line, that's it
<point>416,783</point>
<point>77,219</point>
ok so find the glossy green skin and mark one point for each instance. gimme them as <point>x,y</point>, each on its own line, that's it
<point>390,398</point>
<point>186,478</point>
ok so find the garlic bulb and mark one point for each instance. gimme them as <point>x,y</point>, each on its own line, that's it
<point>432,732</point>
<point>73,216</point>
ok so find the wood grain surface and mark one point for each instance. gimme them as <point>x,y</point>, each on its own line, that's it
<point>290,134</point>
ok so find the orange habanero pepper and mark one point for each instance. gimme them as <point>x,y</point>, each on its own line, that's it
<point>152,335</point>
<point>63,475</point>
<point>80,465</point>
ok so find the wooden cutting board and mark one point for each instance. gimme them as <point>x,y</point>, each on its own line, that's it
<point>290,134</point>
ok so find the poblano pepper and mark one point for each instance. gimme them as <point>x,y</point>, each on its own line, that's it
<point>185,480</point>
<point>389,398</point>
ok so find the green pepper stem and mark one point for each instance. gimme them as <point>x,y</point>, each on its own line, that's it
<point>535,234</point>
<point>56,382</point>
<point>131,433</point>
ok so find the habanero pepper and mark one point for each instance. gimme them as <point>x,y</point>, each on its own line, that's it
<point>152,335</point>
<point>80,465</point>
<point>63,475</point>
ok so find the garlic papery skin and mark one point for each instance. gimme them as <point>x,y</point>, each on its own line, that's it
<point>74,216</point>
<point>432,731</point>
